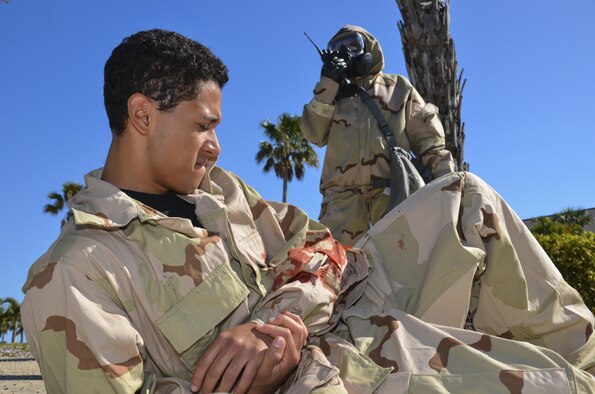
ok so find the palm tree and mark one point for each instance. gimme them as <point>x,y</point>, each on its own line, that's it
<point>20,329</point>
<point>69,189</point>
<point>432,65</point>
<point>12,315</point>
<point>289,152</point>
<point>3,323</point>
<point>3,329</point>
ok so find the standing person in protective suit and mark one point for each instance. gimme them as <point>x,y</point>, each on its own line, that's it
<point>356,173</point>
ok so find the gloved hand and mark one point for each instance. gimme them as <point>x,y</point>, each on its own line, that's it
<point>333,66</point>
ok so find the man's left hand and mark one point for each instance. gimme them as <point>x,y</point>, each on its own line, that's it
<point>234,357</point>
<point>253,358</point>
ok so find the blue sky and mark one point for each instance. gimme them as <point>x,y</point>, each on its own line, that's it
<point>527,105</point>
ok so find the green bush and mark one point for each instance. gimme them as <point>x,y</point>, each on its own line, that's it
<point>574,255</point>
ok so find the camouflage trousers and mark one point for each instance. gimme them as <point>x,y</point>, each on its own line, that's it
<point>412,356</point>
<point>455,253</point>
<point>348,212</point>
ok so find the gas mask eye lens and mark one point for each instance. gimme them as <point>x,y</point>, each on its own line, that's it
<point>352,42</point>
<point>352,46</point>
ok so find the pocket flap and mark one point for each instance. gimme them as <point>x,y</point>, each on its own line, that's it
<point>203,308</point>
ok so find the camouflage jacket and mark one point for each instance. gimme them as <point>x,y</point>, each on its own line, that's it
<point>128,299</point>
<point>356,149</point>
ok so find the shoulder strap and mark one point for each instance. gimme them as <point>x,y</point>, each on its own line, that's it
<point>384,127</point>
<point>405,178</point>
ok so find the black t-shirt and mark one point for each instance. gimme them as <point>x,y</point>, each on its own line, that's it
<point>168,204</point>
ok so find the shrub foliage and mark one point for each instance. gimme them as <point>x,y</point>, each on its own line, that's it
<point>574,255</point>
<point>572,250</point>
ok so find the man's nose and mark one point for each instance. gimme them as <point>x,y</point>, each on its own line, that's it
<point>211,145</point>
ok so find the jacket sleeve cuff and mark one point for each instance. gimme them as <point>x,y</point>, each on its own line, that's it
<point>321,109</point>
<point>326,90</point>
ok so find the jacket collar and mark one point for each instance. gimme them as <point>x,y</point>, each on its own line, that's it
<point>101,204</point>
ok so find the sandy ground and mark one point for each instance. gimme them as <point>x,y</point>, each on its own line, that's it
<point>19,373</point>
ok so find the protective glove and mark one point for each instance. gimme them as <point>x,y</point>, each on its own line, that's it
<point>333,66</point>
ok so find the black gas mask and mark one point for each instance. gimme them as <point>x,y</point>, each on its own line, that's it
<point>351,47</point>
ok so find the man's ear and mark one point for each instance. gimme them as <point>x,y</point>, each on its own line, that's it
<point>139,112</point>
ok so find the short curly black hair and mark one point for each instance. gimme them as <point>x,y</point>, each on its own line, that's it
<point>162,65</point>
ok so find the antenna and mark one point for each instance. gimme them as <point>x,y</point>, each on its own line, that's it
<point>313,43</point>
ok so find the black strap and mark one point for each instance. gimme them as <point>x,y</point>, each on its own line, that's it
<point>382,123</point>
<point>388,133</point>
<point>404,178</point>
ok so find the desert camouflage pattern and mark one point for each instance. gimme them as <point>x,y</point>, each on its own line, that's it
<point>356,162</point>
<point>127,299</point>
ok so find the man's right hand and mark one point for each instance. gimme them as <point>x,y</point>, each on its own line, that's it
<point>283,354</point>
<point>333,66</point>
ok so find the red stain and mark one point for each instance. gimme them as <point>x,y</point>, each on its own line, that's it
<point>300,257</point>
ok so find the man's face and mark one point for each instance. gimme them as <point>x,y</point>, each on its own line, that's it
<point>183,141</point>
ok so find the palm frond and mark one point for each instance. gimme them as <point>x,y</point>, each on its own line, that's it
<point>288,151</point>
<point>69,190</point>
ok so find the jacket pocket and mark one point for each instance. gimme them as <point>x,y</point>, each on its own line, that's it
<point>200,311</point>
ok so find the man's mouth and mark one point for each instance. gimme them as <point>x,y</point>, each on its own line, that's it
<point>201,163</point>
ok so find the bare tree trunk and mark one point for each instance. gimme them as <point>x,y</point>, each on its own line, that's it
<point>432,65</point>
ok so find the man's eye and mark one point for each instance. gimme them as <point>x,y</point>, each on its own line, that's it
<point>204,127</point>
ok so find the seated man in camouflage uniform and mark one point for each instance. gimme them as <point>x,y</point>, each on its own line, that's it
<point>175,276</point>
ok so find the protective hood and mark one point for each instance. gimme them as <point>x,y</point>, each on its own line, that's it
<point>371,44</point>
